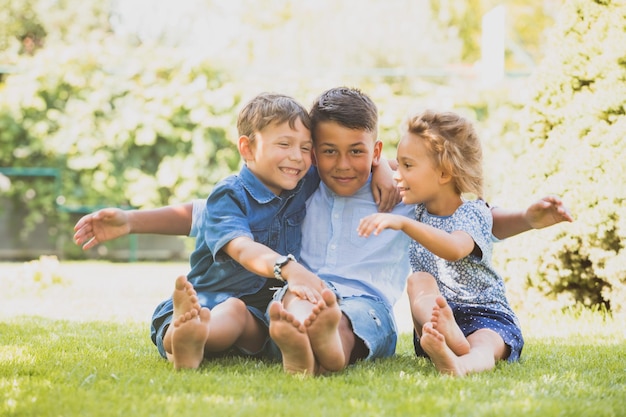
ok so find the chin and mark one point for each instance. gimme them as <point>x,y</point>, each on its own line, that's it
<point>408,201</point>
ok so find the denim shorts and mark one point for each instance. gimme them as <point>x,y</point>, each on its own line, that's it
<point>473,318</point>
<point>372,321</point>
<point>255,303</point>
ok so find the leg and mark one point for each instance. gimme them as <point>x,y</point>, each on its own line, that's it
<point>194,334</point>
<point>422,290</point>
<point>427,305</point>
<point>486,347</point>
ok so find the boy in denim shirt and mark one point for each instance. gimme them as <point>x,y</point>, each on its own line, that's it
<point>255,217</point>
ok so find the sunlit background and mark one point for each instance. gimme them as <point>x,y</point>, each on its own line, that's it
<point>132,103</point>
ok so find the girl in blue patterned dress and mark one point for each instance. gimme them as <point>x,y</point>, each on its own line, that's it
<point>462,318</point>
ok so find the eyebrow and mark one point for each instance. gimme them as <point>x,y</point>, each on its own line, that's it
<point>332,145</point>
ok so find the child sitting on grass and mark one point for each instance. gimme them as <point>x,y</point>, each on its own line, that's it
<point>462,318</point>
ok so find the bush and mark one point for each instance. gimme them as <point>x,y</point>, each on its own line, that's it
<point>575,125</point>
<point>126,127</point>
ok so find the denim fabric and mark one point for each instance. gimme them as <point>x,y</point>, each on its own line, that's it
<point>332,248</point>
<point>371,318</point>
<point>241,206</point>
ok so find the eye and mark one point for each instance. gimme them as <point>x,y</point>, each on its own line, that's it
<point>306,149</point>
<point>328,151</point>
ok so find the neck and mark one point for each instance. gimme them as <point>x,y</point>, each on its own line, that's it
<point>444,205</point>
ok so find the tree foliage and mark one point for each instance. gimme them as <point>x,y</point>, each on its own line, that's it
<point>525,22</point>
<point>576,119</point>
<point>138,125</point>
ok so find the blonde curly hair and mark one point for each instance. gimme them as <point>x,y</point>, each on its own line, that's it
<point>454,147</point>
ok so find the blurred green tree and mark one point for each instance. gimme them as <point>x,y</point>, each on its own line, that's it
<point>575,125</point>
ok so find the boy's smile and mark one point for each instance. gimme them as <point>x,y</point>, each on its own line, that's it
<point>344,157</point>
<point>279,155</point>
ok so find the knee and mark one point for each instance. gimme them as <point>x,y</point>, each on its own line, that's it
<point>420,280</point>
<point>235,305</point>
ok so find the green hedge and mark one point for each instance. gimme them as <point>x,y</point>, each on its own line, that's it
<point>125,126</point>
<point>576,122</point>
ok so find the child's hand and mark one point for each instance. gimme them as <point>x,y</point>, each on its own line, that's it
<point>384,188</point>
<point>101,226</point>
<point>304,292</point>
<point>378,222</point>
<point>547,212</point>
<point>306,285</point>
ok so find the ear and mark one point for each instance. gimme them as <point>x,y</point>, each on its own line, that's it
<point>245,148</point>
<point>313,158</point>
<point>378,149</point>
<point>444,178</point>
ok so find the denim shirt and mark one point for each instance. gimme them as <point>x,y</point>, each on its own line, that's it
<point>242,206</point>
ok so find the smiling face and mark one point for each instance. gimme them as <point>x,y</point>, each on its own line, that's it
<point>344,157</point>
<point>279,156</point>
<point>419,179</point>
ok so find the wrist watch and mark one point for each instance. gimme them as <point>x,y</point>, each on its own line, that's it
<point>280,262</point>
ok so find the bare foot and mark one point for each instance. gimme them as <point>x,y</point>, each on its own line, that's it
<point>324,334</point>
<point>293,342</point>
<point>189,334</point>
<point>185,300</point>
<point>185,297</point>
<point>443,321</point>
<point>304,312</point>
<point>434,344</point>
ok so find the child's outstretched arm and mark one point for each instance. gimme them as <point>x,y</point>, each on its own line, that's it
<point>545,212</point>
<point>111,223</point>
<point>450,246</point>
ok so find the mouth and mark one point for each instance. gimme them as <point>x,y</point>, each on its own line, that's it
<point>291,171</point>
<point>343,180</point>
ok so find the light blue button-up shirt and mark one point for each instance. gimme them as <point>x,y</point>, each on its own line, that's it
<point>332,248</point>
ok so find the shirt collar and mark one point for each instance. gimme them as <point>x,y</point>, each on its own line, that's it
<point>259,191</point>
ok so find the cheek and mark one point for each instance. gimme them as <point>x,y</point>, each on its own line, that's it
<point>363,166</point>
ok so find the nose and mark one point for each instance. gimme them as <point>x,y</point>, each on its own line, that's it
<point>396,176</point>
<point>296,154</point>
<point>343,162</point>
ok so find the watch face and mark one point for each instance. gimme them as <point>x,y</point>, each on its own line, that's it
<point>282,260</point>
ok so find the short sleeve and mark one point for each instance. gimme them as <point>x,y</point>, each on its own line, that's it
<point>197,216</point>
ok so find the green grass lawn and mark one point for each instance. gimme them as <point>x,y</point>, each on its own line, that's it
<point>81,347</point>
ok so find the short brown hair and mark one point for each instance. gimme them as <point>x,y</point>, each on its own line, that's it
<point>268,108</point>
<point>348,107</point>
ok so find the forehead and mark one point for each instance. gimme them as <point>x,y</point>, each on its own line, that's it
<point>333,134</point>
<point>276,129</point>
<point>412,144</point>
